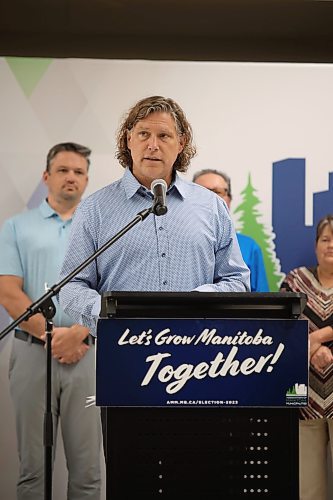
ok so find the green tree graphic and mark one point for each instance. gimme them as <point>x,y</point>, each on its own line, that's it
<point>249,224</point>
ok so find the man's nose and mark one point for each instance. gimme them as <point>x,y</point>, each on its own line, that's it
<point>153,143</point>
<point>70,175</point>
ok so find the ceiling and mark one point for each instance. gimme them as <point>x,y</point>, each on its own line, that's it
<point>230,30</point>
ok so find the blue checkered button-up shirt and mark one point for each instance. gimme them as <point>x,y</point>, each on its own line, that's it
<point>192,247</point>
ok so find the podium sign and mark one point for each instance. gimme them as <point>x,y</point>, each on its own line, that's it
<point>180,362</point>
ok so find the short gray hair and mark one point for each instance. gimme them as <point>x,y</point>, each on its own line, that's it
<point>217,172</point>
<point>67,146</point>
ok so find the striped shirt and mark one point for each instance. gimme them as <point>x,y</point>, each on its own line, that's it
<point>319,312</point>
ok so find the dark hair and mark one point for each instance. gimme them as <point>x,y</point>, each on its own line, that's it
<point>325,221</point>
<point>141,110</point>
<point>217,172</point>
<point>67,146</point>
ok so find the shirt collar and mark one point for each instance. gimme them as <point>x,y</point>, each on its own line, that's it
<point>46,210</point>
<point>132,185</point>
<point>181,185</point>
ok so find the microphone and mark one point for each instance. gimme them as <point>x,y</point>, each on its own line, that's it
<point>158,188</point>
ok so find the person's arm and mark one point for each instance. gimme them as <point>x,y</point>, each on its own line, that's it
<point>79,298</point>
<point>322,358</point>
<point>258,271</point>
<point>231,274</point>
<point>16,302</point>
<point>319,337</point>
<point>67,343</point>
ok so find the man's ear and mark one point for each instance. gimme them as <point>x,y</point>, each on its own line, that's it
<point>45,176</point>
<point>128,136</point>
<point>182,143</point>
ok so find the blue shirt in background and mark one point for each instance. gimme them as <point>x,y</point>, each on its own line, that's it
<point>253,258</point>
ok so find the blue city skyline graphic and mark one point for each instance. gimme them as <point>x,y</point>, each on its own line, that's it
<point>294,240</point>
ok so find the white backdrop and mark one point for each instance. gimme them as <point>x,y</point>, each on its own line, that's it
<point>245,116</point>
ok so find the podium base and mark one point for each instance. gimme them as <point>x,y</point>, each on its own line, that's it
<point>201,453</point>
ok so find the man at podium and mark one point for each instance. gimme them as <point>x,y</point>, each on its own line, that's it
<point>188,242</point>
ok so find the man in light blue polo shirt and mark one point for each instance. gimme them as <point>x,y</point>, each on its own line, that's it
<point>32,246</point>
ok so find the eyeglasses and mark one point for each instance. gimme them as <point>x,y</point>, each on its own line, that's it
<point>222,192</point>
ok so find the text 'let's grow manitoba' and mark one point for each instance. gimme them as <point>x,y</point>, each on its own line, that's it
<point>176,377</point>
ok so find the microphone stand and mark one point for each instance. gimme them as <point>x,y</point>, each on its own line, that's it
<point>45,306</point>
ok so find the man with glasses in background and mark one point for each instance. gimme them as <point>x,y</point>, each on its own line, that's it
<point>219,183</point>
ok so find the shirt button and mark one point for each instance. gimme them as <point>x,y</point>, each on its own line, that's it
<point>160,228</point>
<point>165,282</point>
<point>163,254</point>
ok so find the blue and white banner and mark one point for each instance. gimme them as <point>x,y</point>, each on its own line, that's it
<point>202,362</point>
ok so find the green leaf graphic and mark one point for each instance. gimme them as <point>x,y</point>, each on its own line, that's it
<point>28,71</point>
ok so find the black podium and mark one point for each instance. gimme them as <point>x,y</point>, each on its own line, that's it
<point>201,453</point>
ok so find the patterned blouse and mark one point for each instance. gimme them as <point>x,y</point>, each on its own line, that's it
<point>319,312</point>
